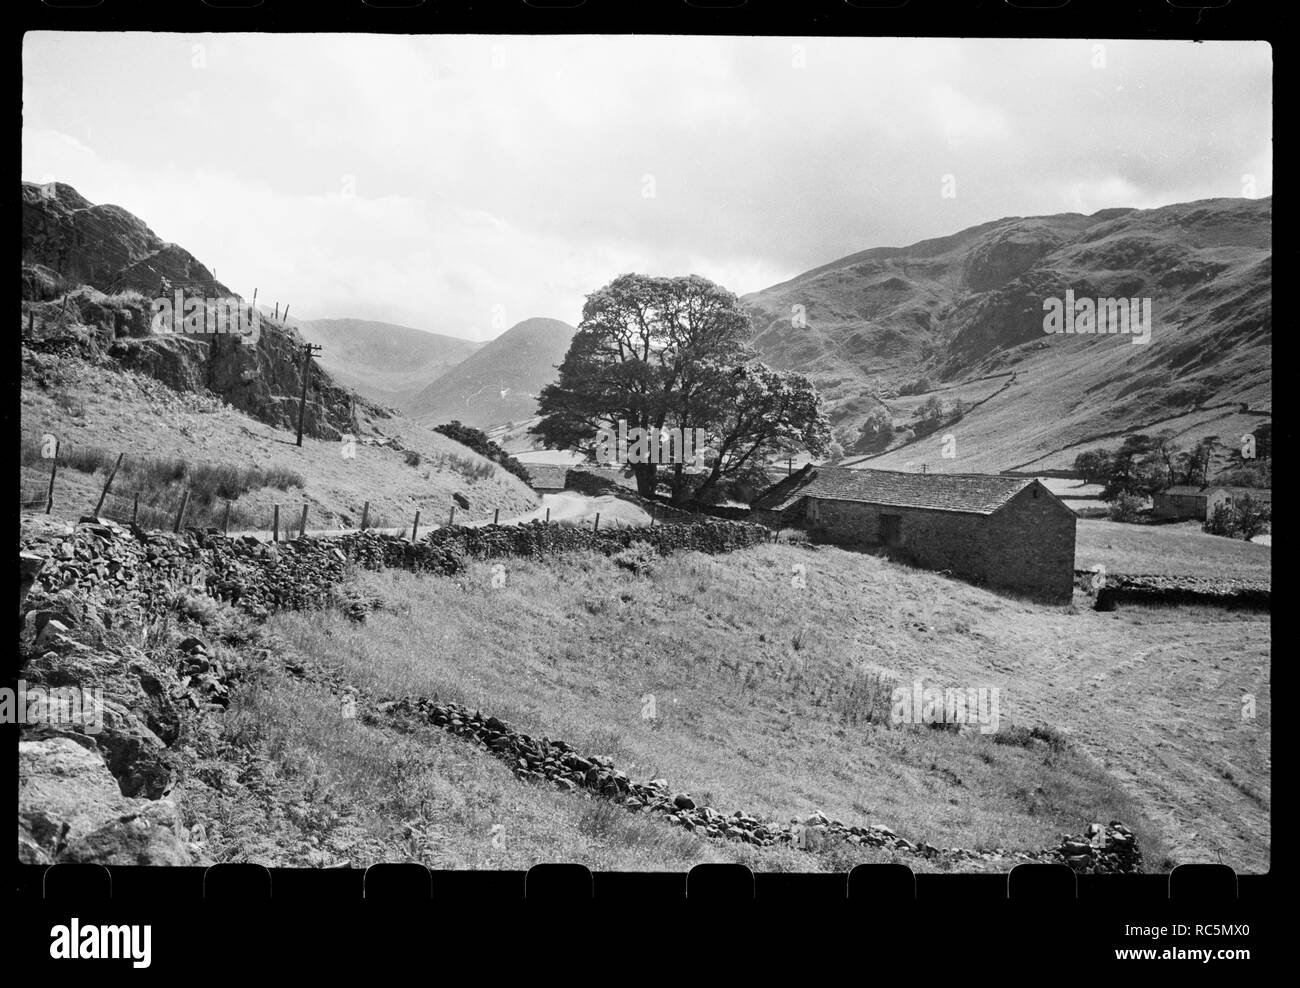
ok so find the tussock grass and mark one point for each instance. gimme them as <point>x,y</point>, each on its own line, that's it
<point>161,482</point>
<point>323,790</point>
<point>581,649</point>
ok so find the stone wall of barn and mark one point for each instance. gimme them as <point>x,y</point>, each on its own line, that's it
<point>1178,505</point>
<point>1030,546</point>
<point>940,540</point>
<point>1027,547</point>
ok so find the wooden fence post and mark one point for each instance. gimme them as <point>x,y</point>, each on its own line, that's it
<point>496,516</point>
<point>548,516</point>
<point>286,312</point>
<point>275,525</point>
<point>135,509</point>
<point>302,526</point>
<point>54,469</point>
<point>451,518</point>
<point>365,516</point>
<point>180,515</point>
<point>225,520</point>
<point>596,527</point>
<point>652,514</point>
<point>415,526</point>
<point>108,483</point>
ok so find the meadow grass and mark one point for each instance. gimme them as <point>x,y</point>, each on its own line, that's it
<point>716,673</point>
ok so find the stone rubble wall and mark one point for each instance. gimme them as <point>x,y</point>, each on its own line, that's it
<point>104,560</point>
<point>1099,850</point>
<point>1118,588</point>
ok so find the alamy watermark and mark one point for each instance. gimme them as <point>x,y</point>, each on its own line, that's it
<point>651,445</point>
<point>54,705</point>
<point>1100,316</point>
<point>921,704</point>
<point>198,316</point>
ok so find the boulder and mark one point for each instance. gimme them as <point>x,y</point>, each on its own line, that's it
<point>70,808</point>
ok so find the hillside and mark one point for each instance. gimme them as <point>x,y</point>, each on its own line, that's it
<point>958,310</point>
<point>384,362</point>
<point>498,383</point>
<point>208,415</point>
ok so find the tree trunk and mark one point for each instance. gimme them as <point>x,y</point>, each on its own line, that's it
<point>646,476</point>
<point>679,484</point>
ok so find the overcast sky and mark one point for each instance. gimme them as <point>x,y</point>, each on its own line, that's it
<point>461,184</point>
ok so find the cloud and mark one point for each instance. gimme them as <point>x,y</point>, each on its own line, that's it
<point>426,179</point>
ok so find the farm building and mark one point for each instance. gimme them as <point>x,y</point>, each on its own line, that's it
<point>1007,532</point>
<point>546,478</point>
<point>1184,501</point>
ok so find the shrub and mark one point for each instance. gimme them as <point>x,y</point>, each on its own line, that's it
<point>1024,737</point>
<point>470,468</point>
<point>1242,517</point>
<point>1125,507</point>
<point>639,557</point>
<point>412,458</point>
<point>478,441</point>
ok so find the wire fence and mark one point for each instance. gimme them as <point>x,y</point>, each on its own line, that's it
<point>172,494</point>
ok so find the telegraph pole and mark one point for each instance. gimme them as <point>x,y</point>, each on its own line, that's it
<point>308,350</point>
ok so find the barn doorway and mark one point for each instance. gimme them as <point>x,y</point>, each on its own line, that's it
<point>890,529</point>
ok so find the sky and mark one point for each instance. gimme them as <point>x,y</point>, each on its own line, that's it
<point>460,184</point>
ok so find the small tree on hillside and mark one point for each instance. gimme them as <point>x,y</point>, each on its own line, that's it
<point>876,431</point>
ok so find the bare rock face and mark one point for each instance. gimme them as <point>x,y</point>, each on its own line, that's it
<point>102,245</point>
<point>1008,252</point>
<point>70,809</point>
<point>92,272</point>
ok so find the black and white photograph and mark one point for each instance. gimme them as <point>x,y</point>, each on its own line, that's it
<point>645,451</point>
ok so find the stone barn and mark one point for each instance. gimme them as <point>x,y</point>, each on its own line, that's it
<point>546,478</point>
<point>1006,532</point>
<point>1183,501</point>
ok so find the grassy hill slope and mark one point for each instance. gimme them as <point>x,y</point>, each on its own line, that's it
<point>768,698</point>
<point>500,382</point>
<point>387,363</point>
<point>958,309</point>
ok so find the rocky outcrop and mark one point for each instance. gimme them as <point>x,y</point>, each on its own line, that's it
<point>70,810</point>
<point>1008,251</point>
<point>91,272</point>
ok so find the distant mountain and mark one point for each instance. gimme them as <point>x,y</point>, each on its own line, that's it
<point>962,317</point>
<point>500,382</point>
<point>386,363</point>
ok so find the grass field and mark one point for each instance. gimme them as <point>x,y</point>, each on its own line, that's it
<point>766,699</point>
<point>1179,549</point>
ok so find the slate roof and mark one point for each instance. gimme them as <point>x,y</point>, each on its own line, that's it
<point>972,493</point>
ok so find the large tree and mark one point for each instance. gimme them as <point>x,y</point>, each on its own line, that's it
<point>657,353</point>
<point>765,412</point>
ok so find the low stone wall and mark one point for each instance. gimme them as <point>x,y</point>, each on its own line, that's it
<point>1098,850</point>
<point>106,561</point>
<point>1116,588</point>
